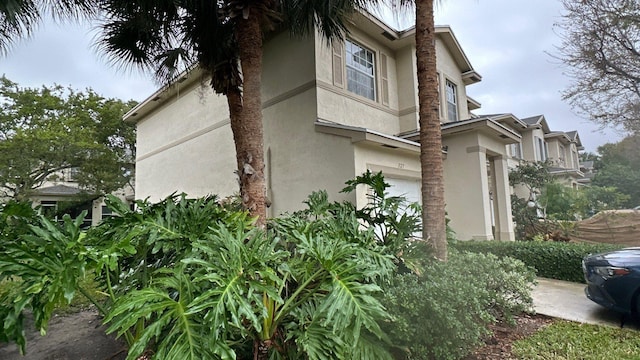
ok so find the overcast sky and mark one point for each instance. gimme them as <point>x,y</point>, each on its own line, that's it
<point>507,41</point>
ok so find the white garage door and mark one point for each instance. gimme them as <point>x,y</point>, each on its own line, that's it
<point>410,189</point>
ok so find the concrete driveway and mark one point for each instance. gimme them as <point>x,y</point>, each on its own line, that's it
<point>566,300</point>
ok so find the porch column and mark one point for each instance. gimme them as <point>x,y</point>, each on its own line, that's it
<point>504,230</point>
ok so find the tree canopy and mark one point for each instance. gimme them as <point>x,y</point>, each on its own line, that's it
<point>601,47</point>
<point>49,130</point>
<point>618,166</point>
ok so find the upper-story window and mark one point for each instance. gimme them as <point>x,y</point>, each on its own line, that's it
<point>516,150</point>
<point>360,63</point>
<point>562,155</point>
<point>71,174</point>
<point>452,101</point>
<point>542,153</point>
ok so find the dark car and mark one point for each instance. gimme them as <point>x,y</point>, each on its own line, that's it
<point>613,279</point>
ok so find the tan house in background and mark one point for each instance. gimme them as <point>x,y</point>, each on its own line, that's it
<point>61,190</point>
<point>330,114</point>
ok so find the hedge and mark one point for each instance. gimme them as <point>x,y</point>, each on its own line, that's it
<point>555,260</point>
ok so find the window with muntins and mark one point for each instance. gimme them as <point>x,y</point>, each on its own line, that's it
<point>452,101</point>
<point>360,63</point>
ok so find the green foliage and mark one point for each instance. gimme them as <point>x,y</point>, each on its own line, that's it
<point>574,341</point>
<point>559,201</point>
<point>622,177</point>
<point>193,278</point>
<point>525,218</point>
<point>15,218</point>
<point>44,131</point>
<point>202,282</point>
<point>390,220</point>
<point>445,313</point>
<point>45,264</point>
<point>593,199</point>
<point>619,167</point>
<point>555,260</point>
<point>532,174</point>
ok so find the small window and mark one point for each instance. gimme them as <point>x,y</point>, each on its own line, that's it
<point>516,150</point>
<point>360,70</point>
<point>541,149</point>
<point>452,101</point>
<point>49,209</point>
<point>71,174</point>
<point>561,155</point>
<point>106,212</point>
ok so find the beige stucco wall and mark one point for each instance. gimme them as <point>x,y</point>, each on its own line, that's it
<point>407,89</point>
<point>448,70</point>
<point>467,186</point>
<point>301,160</point>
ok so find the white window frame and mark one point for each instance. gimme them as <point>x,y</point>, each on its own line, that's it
<point>451,101</point>
<point>366,66</point>
<point>351,66</point>
<point>516,150</point>
<point>562,155</point>
<point>542,152</point>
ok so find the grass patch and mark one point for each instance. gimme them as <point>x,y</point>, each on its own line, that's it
<point>567,340</point>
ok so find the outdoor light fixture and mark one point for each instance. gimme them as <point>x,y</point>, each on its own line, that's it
<point>532,202</point>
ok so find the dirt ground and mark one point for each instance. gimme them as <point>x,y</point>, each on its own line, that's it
<point>80,336</point>
<point>498,346</point>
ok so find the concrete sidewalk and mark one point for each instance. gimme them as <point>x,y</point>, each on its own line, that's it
<point>566,300</point>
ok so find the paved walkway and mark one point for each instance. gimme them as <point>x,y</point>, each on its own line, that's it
<point>566,300</point>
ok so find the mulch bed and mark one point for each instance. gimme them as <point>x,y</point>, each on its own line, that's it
<point>498,346</point>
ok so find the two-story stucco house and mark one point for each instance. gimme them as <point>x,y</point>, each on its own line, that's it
<point>330,114</point>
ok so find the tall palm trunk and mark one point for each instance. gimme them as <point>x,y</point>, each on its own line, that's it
<point>247,126</point>
<point>433,213</point>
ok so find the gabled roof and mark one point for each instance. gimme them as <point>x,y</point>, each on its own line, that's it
<point>575,137</point>
<point>537,121</point>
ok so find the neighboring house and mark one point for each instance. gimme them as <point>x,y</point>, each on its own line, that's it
<point>538,143</point>
<point>330,114</point>
<point>62,195</point>
<point>589,171</point>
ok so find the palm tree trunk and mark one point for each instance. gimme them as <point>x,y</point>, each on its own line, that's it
<point>431,163</point>
<point>247,126</point>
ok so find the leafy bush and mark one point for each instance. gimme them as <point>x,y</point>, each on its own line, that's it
<point>446,312</point>
<point>555,260</point>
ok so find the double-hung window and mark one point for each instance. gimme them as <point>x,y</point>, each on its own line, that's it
<point>516,150</point>
<point>361,71</point>
<point>541,149</point>
<point>452,101</point>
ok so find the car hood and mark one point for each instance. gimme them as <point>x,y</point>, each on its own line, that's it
<point>626,257</point>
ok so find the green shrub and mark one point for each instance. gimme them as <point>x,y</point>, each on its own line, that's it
<point>430,322</point>
<point>555,260</point>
